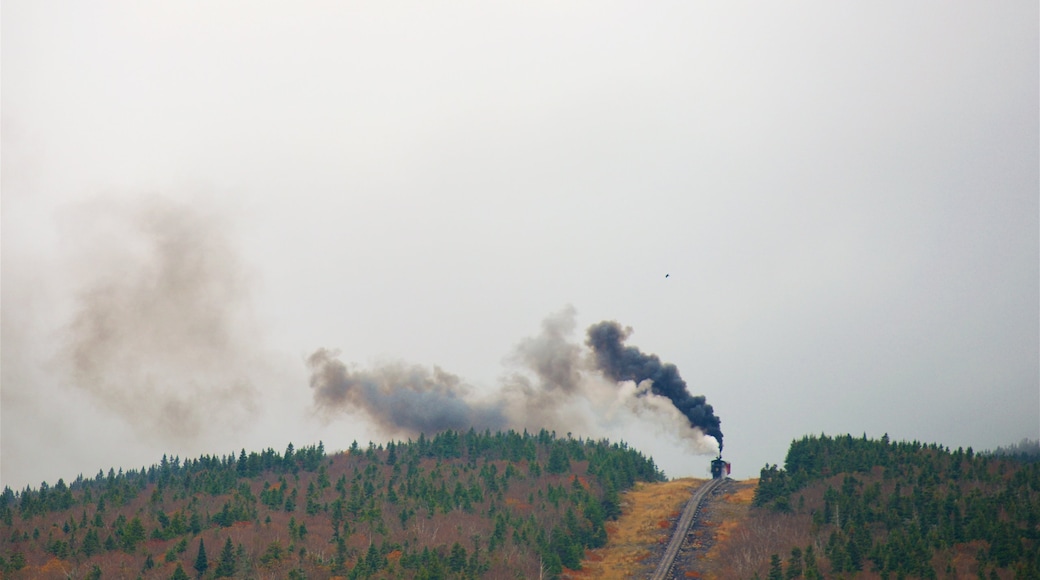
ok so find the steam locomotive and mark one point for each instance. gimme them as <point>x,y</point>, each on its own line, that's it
<point>719,468</point>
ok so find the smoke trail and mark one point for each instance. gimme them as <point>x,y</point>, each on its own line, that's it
<point>560,385</point>
<point>400,398</point>
<point>556,362</point>
<point>159,327</point>
<point>628,363</point>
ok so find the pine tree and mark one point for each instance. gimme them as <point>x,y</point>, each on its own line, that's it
<point>794,565</point>
<point>91,543</point>
<point>776,570</point>
<point>558,460</point>
<point>133,534</point>
<point>179,574</point>
<point>340,562</point>
<point>201,563</point>
<point>457,559</point>
<point>812,572</point>
<point>226,566</point>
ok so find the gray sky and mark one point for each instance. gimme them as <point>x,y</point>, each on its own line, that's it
<point>198,195</point>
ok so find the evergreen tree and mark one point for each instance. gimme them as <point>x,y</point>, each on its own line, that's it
<point>457,559</point>
<point>289,460</point>
<point>374,560</point>
<point>340,562</point>
<point>201,563</point>
<point>91,543</point>
<point>17,562</point>
<point>812,572</point>
<point>133,534</point>
<point>794,565</point>
<point>558,460</point>
<point>179,573</point>
<point>226,565</point>
<point>776,570</point>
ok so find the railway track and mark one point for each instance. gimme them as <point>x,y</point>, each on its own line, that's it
<point>682,528</point>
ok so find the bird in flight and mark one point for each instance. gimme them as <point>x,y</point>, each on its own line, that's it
<point>667,275</point>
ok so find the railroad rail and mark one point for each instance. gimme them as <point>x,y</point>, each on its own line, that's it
<point>682,528</point>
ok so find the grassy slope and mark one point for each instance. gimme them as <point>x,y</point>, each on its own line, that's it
<point>742,537</point>
<point>648,512</point>
<point>727,521</point>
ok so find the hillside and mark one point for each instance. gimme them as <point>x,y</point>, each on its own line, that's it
<point>846,507</point>
<point>648,514</point>
<point>458,505</point>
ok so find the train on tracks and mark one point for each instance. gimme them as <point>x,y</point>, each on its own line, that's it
<point>719,468</point>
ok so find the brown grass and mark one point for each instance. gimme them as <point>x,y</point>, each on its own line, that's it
<point>744,494</point>
<point>725,520</point>
<point>739,500</point>
<point>746,537</point>
<point>630,539</point>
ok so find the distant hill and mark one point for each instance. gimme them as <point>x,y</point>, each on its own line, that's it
<point>848,507</point>
<point>457,505</point>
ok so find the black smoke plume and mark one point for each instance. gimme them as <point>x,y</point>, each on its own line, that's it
<point>560,385</point>
<point>628,363</point>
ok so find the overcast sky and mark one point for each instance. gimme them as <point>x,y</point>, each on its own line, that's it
<point>196,196</point>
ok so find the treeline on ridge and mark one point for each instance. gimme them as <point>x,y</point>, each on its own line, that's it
<point>903,510</point>
<point>455,505</point>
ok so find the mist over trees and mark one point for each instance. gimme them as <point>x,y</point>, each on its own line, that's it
<point>1026,450</point>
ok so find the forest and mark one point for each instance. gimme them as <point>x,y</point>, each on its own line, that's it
<point>844,507</point>
<point>455,505</point>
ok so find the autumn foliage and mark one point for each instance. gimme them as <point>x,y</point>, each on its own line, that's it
<point>457,505</point>
<point>862,508</point>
